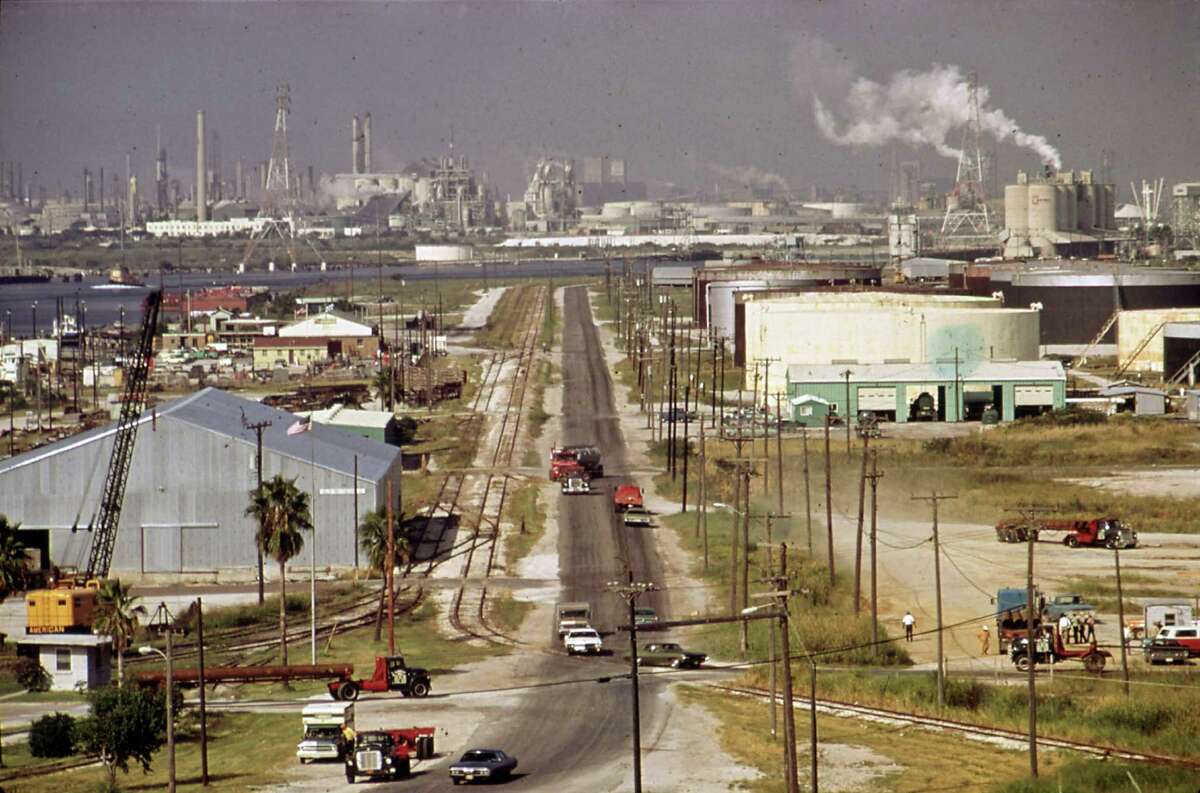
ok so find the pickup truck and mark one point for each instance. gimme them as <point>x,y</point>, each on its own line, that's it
<point>585,641</point>
<point>325,725</point>
<point>576,486</point>
<point>1059,605</point>
<point>626,496</point>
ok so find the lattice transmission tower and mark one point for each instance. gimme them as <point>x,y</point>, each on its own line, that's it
<point>967,210</point>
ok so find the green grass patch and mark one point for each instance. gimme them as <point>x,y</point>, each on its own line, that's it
<point>1092,776</point>
<point>1102,592</point>
<point>526,516</point>
<point>507,613</point>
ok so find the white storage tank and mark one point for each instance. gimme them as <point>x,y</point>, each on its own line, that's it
<point>1042,211</point>
<point>1016,208</point>
<point>444,253</point>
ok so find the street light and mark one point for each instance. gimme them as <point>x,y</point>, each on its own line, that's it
<point>146,649</point>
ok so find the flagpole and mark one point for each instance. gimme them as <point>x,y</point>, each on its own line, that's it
<point>312,573</point>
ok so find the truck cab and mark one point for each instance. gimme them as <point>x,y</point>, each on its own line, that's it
<point>377,754</point>
<point>573,615</point>
<point>391,674</point>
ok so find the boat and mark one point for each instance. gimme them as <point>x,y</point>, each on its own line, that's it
<point>121,276</point>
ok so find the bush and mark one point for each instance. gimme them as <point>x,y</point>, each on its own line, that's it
<point>52,736</point>
<point>30,675</point>
<point>1067,417</point>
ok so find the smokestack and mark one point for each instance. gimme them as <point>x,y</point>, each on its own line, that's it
<point>87,189</point>
<point>201,171</point>
<point>367,144</point>
<point>312,185</point>
<point>20,181</point>
<point>239,187</point>
<point>133,199</point>
<point>101,188</point>
<point>355,154</point>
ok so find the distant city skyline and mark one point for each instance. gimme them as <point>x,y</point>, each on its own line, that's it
<point>691,94</point>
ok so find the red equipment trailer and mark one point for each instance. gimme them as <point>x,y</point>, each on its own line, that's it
<point>1105,532</point>
<point>391,674</point>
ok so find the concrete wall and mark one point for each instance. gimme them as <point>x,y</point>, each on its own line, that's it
<point>1134,326</point>
<point>185,501</point>
<point>802,331</point>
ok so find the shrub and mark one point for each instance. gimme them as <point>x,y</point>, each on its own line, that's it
<point>969,694</point>
<point>1144,717</point>
<point>30,675</point>
<point>52,736</point>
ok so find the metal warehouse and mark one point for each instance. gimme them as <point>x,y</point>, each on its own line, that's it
<point>927,391</point>
<point>192,472</point>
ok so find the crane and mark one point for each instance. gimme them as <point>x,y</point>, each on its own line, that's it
<point>49,611</point>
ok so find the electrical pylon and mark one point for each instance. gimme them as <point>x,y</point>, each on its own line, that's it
<point>967,210</point>
<point>279,204</point>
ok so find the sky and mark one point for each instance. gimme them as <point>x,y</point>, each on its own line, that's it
<point>692,94</point>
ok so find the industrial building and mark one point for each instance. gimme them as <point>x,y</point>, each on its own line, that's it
<point>189,484</point>
<point>1079,297</point>
<point>1058,214</point>
<point>831,328</point>
<point>606,179</point>
<point>943,391</point>
<point>1185,215</point>
<point>378,425</point>
<point>1142,337</point>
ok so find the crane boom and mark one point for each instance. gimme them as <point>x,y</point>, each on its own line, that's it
<point>133,402</point>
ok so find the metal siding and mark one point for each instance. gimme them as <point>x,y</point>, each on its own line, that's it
<point>1033,395</point>
<point>195,545</point>
<point>161,546</point>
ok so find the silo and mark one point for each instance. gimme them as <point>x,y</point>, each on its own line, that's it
<point>1016,208</point>
<point>1062,206</point>
<point>1042,212</point>
<point>1108,218</point>
<point>1088,211</point>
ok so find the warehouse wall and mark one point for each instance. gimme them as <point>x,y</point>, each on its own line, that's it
<point>184,506</point>
<point>796,332</point>
<point>1134,326</point>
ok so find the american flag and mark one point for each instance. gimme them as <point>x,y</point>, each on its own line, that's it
<point>303,425</point>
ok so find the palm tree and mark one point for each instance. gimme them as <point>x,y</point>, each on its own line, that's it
<point>13,558</point>
<point>117,616</point>
<point>372,538</point>
<point>282,512</point>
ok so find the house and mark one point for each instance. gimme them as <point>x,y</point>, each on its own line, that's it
<point>71,660</point>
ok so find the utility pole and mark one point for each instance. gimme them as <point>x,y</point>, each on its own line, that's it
<point>875,475</point>
<point>789,715</point>
<point>702,512</point>
<point>1031,653</point>
<point>807,491</point>
<point>846,374</point>
<point>779,448</point>
<point>746,556</point>
<point>387,576</point>
<point>203,705</point>
<point>934,498</point>
<point>687,395</point>
<point>258,427</point>
<point>829,499</point>
<point>1121,621</point>
<point>733,541</point>
<point>858,535</point>
<point>629,592</point>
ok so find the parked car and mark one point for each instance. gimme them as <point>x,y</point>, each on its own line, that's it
<point>638,517</point>
<point>1181,635</point>
<point>1059,605</point>
<point>484,765</point>
<point>575,486</point>
<point>678,415</point>
<point>669,654</point>
<point>582,640</point>
<point>644,616</point>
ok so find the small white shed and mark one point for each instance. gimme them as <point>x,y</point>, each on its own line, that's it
<point>71,659</point>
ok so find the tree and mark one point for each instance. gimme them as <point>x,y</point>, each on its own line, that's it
<point>282,512</point>
<point>124,724</point>
<point>14,561</point>
<point>372,538</point>
<point>117,615</point>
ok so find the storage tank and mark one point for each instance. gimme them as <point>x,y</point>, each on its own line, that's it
<point>1042,212</point>
<point>1016,208</point>
<point>1108,217</point>
<point>1064,208</point>
<point>1087,207</point>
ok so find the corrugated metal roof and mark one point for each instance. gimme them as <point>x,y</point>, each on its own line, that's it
<point>218,411</point>
<point>968,371</point>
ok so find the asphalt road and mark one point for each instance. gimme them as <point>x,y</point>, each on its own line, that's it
<point>579,737</point>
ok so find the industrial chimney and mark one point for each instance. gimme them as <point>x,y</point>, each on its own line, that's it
<point>355,154</point>
<point>201,171</point>
<point>367,144</point>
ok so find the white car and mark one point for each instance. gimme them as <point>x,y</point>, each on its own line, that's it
<point>575,486</point>
<point>582,640</point>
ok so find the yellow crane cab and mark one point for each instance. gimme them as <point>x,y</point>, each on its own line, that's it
<point>65,606</point>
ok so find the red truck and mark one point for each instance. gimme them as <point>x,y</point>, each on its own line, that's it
<point>1098,532</point>
<point>580,462</point>
<point>388,753</point>
<point>627,496</point>
<point>391,674</point>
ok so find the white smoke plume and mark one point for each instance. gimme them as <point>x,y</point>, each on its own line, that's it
<point>920,109</point>
<point>750,177</point>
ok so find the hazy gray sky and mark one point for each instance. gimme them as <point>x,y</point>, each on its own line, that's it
<point>689,92</point>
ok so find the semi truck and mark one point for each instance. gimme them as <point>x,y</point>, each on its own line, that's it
<point>1094,533</point>
<point>388,753</point>
<point>1012,616</point>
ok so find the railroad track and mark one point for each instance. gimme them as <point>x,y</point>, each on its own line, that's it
<point>468,612</point>
<point>835,707</point>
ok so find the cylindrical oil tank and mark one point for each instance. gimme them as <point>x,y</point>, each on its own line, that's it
<point>1087,207</point>
<point>1016,208</point>
<point>1042,212</point>
<point>1108,218</point>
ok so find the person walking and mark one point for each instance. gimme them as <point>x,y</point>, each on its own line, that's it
<point>1090,624</point>
<point>1064,628</point>
<point>985,640</point>
<point>909,621</point>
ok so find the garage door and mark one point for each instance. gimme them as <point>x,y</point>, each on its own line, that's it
<point>877,398</point>
<point>1026,395</point>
